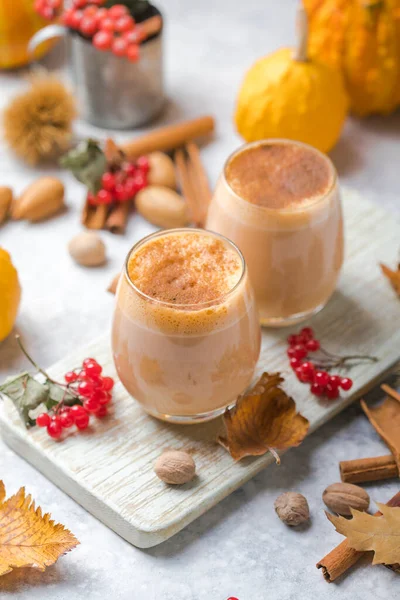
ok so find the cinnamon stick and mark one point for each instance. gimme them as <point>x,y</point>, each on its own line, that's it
<point>201,180</point>
<point>169,137</point>
<point>341,558</point>
<point>368,469</point>
<point>116,221</point>
<point>94,217</point>
<point>187,185</point>
<point>151,26</point>
<point>390,392</point>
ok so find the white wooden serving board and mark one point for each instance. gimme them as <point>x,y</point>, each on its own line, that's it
<point>109,469</point>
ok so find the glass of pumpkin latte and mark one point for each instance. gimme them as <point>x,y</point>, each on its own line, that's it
<point>186,334</point>
<point>279,202</point>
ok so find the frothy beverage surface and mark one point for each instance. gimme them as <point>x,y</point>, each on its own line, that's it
<point>185,268</point>
<point>279,176</point>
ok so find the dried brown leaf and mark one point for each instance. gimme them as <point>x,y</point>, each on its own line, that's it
<point>27,537</point>
<point>385,418</point>
<point>263,419</point>
<point>367,532</point>
<point>393,276</point>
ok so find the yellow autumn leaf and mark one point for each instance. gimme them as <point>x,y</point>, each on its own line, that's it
<point>27,537</point>
<point>367,532</point>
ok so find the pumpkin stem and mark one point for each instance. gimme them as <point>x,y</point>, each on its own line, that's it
<point>300,52</point>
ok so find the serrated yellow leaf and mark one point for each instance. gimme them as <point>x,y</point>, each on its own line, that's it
<point>27,537</point>
<point>367,532</point>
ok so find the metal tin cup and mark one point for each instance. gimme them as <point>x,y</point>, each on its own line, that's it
<point>113,92</point>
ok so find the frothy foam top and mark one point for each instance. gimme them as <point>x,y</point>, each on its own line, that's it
<point>279,175</point>
<point>185,268</point>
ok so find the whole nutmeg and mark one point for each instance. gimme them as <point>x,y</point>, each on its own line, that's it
<point>341,497</point>
<point>162,170</point>
<point>175,467</point>
<point>87,249</point>
<point>292,508</point>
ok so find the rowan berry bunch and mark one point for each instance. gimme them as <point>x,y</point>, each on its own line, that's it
<point>313,364</point>
<point>122,183</point>
<point>110,29</point>
<point>92,393</point>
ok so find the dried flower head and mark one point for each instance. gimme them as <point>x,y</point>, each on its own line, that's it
<point>38,122</point>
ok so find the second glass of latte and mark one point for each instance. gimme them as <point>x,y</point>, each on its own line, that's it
<point>279,201</point>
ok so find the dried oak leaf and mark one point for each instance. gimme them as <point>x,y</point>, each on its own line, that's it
<point>385,418</point>
<point>27,537</point>
<point>393,276</point>
<point>263,419</point>
<point>367,532</point>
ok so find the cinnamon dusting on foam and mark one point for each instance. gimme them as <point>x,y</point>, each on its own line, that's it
<point>188,268</point>
<point>279,175</point>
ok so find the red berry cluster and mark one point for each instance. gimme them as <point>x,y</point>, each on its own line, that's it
<point>92,391</point>
<point>122,184</point>
<point>111,29</point>
<point>322,383</point>
<point>47,9</point>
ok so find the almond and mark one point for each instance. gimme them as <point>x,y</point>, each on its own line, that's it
<point>162,170</point>
<point>40,200</point>
<point>341,497</point>
<point>162,207</point>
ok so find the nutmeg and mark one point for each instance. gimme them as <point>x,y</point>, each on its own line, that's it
<point>341,497</point>
<point>175,467</point>
<point>87,249</point>
<point>292,508</point>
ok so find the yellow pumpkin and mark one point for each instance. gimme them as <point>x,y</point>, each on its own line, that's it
<point>18,23</point>
<point>362,39</point>
<point>10,294</point>
<point>286,95</point>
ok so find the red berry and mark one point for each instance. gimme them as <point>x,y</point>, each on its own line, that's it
<point>67,418</point>
<point>91,405</point>
<point>107,24</point>
<point>321,378</point>
<point>119,46</point>
<point>86,388</point>
<point>54,429</point>
<point>308,332</point>
<point>43,420</point>
<point>144,164</point>
<point>75,19</point>
<point>108,179</point>
<point>101,13</point>
<point>292,340</point>
<point>307,369</point>
<point>299,351</point>
<point>93,369</point>
<point>129,168</point>
<point>104,197</point>
<point>130,188</point>
<point>80,3</point>
<point>317,390</point>
<point>140,180</point>
<point>77,410</point>
<point>120,193</point>
<point>48,13</point>
<point>102,412</point>
<point>82,421</point>
<point>87,361</point>
<point>125,23</point>
<point>331,391</point>
<point>294,363</point>
<point>108,383</point>
<point>117,11</point>
<point>132,52</point>
<point>346,383</point>
<point>91,198</point>
<point>313,345</point>
<point>100,396</point>
<point>70,377</point>
<point>90,11</point>
<point>133,37</point>
<point>301,376</point>
<point>102,40</point>
<point>334,380</point>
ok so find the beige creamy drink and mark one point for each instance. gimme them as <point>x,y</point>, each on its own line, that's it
<point>279,202</point>
<point>186,336</point>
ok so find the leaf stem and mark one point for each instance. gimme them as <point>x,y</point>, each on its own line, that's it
<point>25,352</point>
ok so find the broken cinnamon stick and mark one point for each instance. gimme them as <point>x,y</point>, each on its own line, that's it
<point>112,288</point>
<point>390,392</point>
<point>187,185</point>
<point>169,137</point>
<point>368,469</point>
<point>341,558</point>
<point>94,217</point>
<point>116,221</point>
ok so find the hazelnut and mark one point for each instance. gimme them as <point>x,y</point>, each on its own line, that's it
<point>292,508</point>
<point>341,497</point>
<point>175,467</point>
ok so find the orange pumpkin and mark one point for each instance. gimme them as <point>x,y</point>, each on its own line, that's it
<point>18,23</point>
<point>362,39</point>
